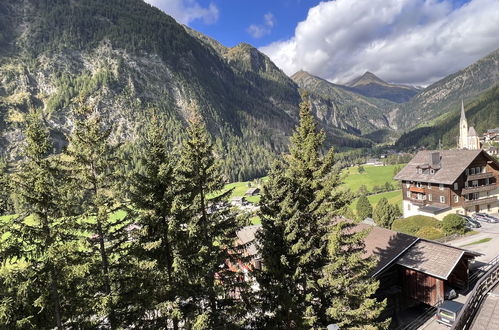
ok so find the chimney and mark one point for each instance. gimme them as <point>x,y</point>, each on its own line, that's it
<point>434,159</point>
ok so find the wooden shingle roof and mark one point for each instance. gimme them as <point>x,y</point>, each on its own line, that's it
<point>432,258</point>
<point>452,165</point>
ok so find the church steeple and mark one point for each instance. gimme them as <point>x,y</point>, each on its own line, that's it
<point>463,129</point>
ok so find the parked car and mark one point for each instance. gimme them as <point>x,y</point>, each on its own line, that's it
<point>447,312</point>
<point>492,218</point>
<point>481,217</point>
<point>470,222</point>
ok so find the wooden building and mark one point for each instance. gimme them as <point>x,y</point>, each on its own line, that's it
<point>436,183</point>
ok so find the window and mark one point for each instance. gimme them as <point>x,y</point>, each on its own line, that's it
<point>408,207</point>
<point>407,184</point>
<point>466,184</point>
<point>474,183</point>
<point>408,194</point>
<point>487,182</point>
<point>441,186</point>
<point>456,199</point>
<point>429,186</point>
<point>442,199</point>
<point>477,170</point>
<point>430,197</point>
<point>419,184</point>
<point>420,171</point>
<point>467,171</point>
<point>432,171</point>
<point>456,186</point>
<point>472,171</point>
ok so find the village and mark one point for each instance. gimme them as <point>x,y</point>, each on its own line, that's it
<point>432,284</point>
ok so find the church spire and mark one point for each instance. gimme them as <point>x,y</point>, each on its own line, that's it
<point>463,116</point>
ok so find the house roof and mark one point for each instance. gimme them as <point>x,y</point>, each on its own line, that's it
<point>432,258</point>
<point>246,236</point>
<point>452,165</point>
<point>386,245</point>
<point>252,190</point>
<point>472,132</point>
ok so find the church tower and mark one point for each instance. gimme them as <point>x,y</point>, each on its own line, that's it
<point>463,129</point>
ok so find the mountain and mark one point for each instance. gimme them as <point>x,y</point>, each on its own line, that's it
<point>482,113</point>
<point>444,95</point>
<point>129,60</point>
<point>370,85</point>
<point>343,108</point>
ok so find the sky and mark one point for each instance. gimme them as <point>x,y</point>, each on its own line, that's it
<point>413,42</point>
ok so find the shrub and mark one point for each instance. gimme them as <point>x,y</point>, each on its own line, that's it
<point>412,225</point>
<point>430,233</point>
<point>453,223</point>
<point>364,208</point>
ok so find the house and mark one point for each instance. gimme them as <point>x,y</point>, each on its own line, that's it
<point>238,201</point>
<point>437,183</point>
<point>410,270</point>
<point>491,134</point>
<point>252,192</point>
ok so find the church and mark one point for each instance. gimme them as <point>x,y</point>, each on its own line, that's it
<point>468,138</point>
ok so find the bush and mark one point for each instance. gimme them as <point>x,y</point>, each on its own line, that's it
<point>364,208</point>
<point>430,233</point>
<point>454,224</point>
<point>412,225</point>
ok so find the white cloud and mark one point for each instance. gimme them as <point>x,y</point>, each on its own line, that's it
<point>403,41</point>
<point>186,11</point>
<point>258,31</point>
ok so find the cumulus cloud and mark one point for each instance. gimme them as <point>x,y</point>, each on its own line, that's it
<point>186,11</point>
<point>403,41</point>
<point>258,31</point>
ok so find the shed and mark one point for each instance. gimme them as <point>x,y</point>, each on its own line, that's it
<point>252,192</point>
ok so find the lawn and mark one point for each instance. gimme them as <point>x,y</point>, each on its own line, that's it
<point>393,197</point>
<point>483,240</point>
<point>240,189</point>
<point>372,176</point>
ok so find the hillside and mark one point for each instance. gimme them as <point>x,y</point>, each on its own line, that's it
<point>444,95</point>
<point>482,113</point>
<point>345,109</point>
<point>372,86</point>
<point>124,58</point>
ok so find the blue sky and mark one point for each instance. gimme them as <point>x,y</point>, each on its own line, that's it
<point>236,16</point>
<point>403,41</point>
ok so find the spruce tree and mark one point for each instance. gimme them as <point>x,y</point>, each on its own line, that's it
<point>37,244</point>
<point>346,280</point>
<point>298,201</point>
<point>207,229</point>
<point>384,213</point>
<point>5,188</point>
<point>152,193</point>
<point>364,208</point>
<point>93,164</point>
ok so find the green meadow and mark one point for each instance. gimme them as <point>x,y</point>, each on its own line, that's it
<point>372,176</point>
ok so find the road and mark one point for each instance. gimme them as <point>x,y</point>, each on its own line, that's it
<point>488,249</point>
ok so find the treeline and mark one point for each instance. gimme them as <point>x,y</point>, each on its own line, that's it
<point>93,245</point>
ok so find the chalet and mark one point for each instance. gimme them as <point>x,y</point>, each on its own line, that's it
<point>410,270</point>
<point>437,183</point>
<point>238,201</point>
<point>252,192</point>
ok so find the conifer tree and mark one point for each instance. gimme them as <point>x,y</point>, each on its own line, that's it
<point>152,194</point>
<point>207,229</point>
<point>384,213</point>
<point>5,191</point>
<point>364,208</point>
<point>95,174</point>
<point>36,243</point>
<point>297,204</point>
<point>346,280</point>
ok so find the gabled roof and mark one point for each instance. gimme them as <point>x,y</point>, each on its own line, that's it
<point>452,165</point>
<point>246,236</point>
<point>472,132</point>
<point>432,258</point>
<point>385,245</point>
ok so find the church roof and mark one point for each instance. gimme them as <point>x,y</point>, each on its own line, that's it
<point>463,116</point>
<point>472,132</point>
<point>452,165</point>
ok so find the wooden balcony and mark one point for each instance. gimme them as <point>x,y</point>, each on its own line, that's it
<point>479,176</point>
<point>417,190</point>
<point>480,201</point>
<point>416,201</point>
<point>470,190</point>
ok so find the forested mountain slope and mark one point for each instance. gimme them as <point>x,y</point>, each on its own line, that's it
<point>482,113</point>
<point>128,59</point>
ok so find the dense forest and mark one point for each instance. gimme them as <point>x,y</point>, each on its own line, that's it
<point>91,244</point>
<point>481,113</point>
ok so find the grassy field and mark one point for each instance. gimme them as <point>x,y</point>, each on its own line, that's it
<point>372,176</point>
<point>240,189</point>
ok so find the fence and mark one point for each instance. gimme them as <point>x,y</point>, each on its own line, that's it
<point>474,301</point>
